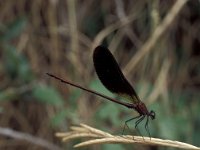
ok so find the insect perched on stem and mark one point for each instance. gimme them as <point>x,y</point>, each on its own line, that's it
<point>113,79</point>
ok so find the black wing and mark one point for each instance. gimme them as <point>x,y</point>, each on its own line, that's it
<point>111,75</point>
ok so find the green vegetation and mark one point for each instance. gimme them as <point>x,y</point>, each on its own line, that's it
<point>42,36</point>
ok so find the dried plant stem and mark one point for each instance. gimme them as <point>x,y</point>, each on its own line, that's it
<point>159,31</point>
<point>101,137</point>
<point>29,138</point>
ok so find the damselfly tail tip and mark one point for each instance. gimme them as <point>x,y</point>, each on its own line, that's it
<point>49,74</point>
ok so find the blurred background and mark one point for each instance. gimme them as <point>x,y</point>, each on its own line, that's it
<point>59,36</point>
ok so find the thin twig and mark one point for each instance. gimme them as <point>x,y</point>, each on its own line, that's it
<point>159,31</point>
<point>109,29</point>
<point>27,137</point>
<point>101,137</point>
<point>123,17</point>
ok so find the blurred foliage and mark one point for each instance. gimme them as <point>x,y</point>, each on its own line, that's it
<point>13,29</point>
<point>16,65</point>
<point>47,95</point>
<point>37,37</point>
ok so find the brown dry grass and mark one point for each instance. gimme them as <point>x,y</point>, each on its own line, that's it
<point>100,137</point>
<point>156,42</point>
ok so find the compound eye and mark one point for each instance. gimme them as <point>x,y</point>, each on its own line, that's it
<point>152,114</point>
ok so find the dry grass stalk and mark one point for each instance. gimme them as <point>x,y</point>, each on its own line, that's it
<point>101,137</point>
<point>159,31</point>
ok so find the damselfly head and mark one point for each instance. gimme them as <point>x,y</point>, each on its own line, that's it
<point>152,114</point>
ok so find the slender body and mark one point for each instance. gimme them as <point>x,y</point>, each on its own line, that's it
<point>113,79</point>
